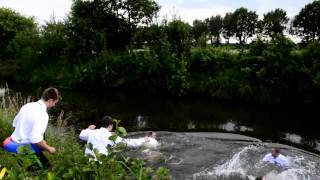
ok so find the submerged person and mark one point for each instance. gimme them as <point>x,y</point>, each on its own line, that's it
<point>30,125</point>
<point>99,138</point>
<point>151,142</point>
<point>275,157</point>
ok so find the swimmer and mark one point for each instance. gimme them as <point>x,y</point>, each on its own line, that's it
<point>275,157</point>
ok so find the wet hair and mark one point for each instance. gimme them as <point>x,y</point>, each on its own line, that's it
<point>276,150</point>
<point>51,93</point>
<point>258,178</point>
<point>149,134</point>
<point>107,121</point>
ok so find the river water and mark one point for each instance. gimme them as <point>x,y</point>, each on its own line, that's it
<point>203,138</point>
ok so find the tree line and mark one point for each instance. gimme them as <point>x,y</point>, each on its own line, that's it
<point>116,44</point>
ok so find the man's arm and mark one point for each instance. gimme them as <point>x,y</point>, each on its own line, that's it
<point>43,145</point>
<point>135,142</point>
<point>84,134</point>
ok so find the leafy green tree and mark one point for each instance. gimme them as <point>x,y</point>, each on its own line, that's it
<point>215,24</point>
<point>140,11</point>
<point>274,22</point>
<point>199,28</point>
<point>54,40</point>
<point>228,26</point>
<point>102,24</point>
<point>179,36</point>
<point>12,23</point>
<point>245,24</point>
<point>307,23</point>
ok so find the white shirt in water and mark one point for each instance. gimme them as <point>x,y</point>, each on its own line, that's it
<point>280,160</point>
<point>99,138</point>
<point>151,144</point>
<point>30,123</point>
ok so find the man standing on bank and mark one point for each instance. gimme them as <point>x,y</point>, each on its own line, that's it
<point>30,125</point>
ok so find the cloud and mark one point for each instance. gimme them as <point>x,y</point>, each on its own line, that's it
<point>291,7</point>
<point>42,10</point>
<point>191,14</point>
<point>188,10</point>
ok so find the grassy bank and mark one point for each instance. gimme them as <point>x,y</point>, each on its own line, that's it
<point>69,161</point>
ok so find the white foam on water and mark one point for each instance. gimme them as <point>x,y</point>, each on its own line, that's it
<point>2,92</point>
<point>235,166</point>
<point>246,164</point>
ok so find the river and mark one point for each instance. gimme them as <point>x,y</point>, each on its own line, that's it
<point>204,138</point>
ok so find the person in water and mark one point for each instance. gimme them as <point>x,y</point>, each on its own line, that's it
<point>30,125</point>
<point>275,157</point>
<point>152,143</point>
<point>99,138</point>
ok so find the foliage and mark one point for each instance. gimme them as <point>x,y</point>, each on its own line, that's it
<point>179,36</point>
<point>12,23</point>
<point>199,28</point>
<point>114,44</point>
<point>245,23</point>
<point>307,23</point>
<point>69,161</point>
<point>215,25</point>
<point>228,26</point>
<point>274,22</point>
<point>98,25</point>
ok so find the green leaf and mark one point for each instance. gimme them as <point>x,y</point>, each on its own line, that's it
<point>51,176</point>
<point>113,137</point>
<point>122,131</point>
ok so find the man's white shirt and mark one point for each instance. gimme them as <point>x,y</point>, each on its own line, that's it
<point>99,138</point>
<point>30,123</point>
<point>280,160</point>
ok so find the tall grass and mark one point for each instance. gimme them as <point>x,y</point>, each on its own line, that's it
<point>69,161</point>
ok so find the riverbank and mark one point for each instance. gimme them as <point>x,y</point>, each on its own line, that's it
<point>69,161</point>
<point>279,73</point>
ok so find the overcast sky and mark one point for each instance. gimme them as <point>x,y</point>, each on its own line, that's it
<point>187,10</point>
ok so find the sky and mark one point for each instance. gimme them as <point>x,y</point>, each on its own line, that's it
<point>187,10</point>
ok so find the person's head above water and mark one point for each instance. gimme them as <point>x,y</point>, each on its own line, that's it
<point>275,152</point>
<point>107,122</point>
<point>259,178</point>
<point>150,140</point>
<point>151,134</point>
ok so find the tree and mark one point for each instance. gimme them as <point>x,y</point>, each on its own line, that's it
<point>274,22</point>
<point>12,23</point>
<point>307,23</point>
<point>245,24</point>
<point>96,25</point>
<point>228,26</point>
<point>215,24</point>
<point>140,11</point>
<point>149,35</point>
<point>199,28</point>
<point>54,40</point>
<point>179,36</point>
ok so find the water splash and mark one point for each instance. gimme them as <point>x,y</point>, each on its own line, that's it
<point>237,166</point>
<point>3,91</point>
<point>246,164</point>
